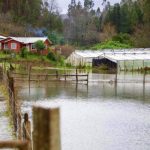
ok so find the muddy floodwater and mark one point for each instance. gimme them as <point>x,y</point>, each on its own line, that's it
<point>103,115</point>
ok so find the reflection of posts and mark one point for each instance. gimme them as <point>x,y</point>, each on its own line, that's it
<point>57,76</point>
<point>27,130</point>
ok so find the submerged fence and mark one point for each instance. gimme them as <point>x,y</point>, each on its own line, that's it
<point>13,103</point>
<point>30,76</point>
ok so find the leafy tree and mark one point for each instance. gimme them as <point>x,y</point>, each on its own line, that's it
<point>124,25</point>
<point>146,10</point>
<point>40,46</point>
<point>53,36</point>
<point>116,16</point>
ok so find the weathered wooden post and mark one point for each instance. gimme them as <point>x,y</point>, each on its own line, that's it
<point>12,101</point>
<point>19,126</point>
<point>57,75</point>
<point>65,75</point>
<point>29,73</point>
<point>46,129</point>
<point>87,78</point>
<point>76,75</point>
<point>116,81</point>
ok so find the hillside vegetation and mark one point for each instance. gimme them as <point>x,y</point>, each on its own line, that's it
<point>110,45</point>
<point>82,26</point>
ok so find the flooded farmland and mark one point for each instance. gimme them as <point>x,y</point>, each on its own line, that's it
<point>102,115</point>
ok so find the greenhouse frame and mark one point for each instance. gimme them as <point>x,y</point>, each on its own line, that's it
<point>125,59</point>
<point>83,57</point>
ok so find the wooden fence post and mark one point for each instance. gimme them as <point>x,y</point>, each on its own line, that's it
<point>57,75</point>
<point>65,75</point>
<point>76,75</point>
<point>19,127</point>
<point>12,101</point>
<point>29,72</point>
<point>46,129</point>
<point>87,78</point>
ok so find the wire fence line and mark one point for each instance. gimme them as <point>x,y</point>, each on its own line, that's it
<point>13,104</point>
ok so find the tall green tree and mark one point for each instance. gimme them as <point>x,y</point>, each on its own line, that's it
<point>146,11</point>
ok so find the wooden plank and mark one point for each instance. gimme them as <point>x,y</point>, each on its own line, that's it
<point>21,145</point>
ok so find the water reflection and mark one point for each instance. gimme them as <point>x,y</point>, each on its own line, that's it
<point>105,115</point>
<point>97,90</point>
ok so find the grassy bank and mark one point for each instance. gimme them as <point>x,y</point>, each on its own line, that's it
<point>51,59</point>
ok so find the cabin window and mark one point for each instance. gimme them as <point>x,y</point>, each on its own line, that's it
<point>5,46</point>
<point>13,46</point>
<point>32,46</point>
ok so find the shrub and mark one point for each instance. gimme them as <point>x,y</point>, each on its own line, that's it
<point>123,38</point>
<point>110,45</point>
<point>24,52</point>
<point>51,56</point>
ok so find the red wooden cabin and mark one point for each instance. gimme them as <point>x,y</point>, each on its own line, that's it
<point>15,44</point>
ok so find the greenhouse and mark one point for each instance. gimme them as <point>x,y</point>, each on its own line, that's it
<point>132,59</point>
<point>122,59</point>
<point>83,58</point>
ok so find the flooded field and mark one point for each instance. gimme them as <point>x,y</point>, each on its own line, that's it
<point>103,115</point>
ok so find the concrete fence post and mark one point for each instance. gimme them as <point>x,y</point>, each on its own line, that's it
<point>46,129</point>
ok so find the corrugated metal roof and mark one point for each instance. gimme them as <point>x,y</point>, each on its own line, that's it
<point>27,40</point>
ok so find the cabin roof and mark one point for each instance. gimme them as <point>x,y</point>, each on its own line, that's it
<point>27,40</point>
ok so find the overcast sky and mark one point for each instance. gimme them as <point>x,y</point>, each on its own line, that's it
<point>63,4</point>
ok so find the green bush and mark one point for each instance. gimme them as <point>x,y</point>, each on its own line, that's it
<point>123,38</point>
<point>51,56</point>
<point>110,45</point>
<point>24,52</point>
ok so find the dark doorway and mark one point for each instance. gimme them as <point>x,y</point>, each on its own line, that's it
<point>104,62</point>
